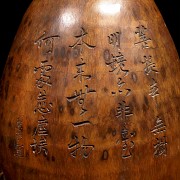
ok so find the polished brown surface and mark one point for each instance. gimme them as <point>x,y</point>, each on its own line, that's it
<point>91,91</point>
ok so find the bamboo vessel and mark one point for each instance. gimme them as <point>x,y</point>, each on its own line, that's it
<point>91,91</point>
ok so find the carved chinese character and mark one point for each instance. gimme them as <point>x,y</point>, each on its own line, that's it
<point>80,41</point>
<point>44,79</point>
<point>81,123</point>
<point>124,134</point>
<point>120,84</point>
<point>47,42</point>
<point>84,149</point>
<point>19,148</point>
<point>154,90</point>
<point>81,95</point>
<point>42,96</point>
<point>143,39</point>
<point>160,147</point>
<point>40,147</point>
<point>41,129</point>
<point>123,111</point>
<point>149,65</point>
<point>19,124</point>
<point>159,126</point>
<point>42,106</point>
<point>45,68</point>
<point>18,135</point>
<point>114,39</point>
<point>19,129</point>
<point>127,149</point>
<point>83,110</point>
<point>74,146</point>
<point>117,63</point>
<point>19,151</point>
<point>80,72</point>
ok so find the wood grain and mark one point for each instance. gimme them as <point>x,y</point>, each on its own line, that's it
<point>91,91</point>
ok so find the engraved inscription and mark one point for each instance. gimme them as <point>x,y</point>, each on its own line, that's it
<point>159,129</point>
<point>41,129</point>
<point>80,41</point>
<point>154,90</point>
<point>150,66</point>
<point>45,78</point>
<point>143,39</point>
<point>80,95</point>
<point>123,111</point>
<point>159,126</point>
<point>82,123</point>
<point>40,135</point>
<point>160,147</point>
<point>114,39</point>
<point>117,63</point>
<point>19,147</point>
<point>80,147</point>
<point>128,143</point>
<point>121,90</point>
<point>47,42</point>
<point>127,149</point>
<point>43,106</point>
<point>39,147</point>
<point>80,72</point>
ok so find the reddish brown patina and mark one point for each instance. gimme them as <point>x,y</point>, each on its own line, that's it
<point>91,91</point>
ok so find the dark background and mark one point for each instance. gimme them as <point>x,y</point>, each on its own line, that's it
<point>12,12</point>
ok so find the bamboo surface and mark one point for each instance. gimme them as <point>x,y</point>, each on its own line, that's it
<point>91,91</point>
